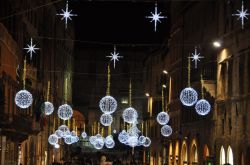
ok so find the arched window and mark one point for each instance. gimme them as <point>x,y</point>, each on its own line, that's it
<point>222,156</point>
<point>230,158</point>
<point>170,157</point>
<point>176,158</point>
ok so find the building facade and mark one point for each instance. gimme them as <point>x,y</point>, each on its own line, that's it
<point>221,137</point>
<point>52,63</point>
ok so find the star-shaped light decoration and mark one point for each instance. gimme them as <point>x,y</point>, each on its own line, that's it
<point>156,16</point>
<point>242,14</point>
<point>114,56</point>
<point>31,48</point>
<point>66,14</point>
<point>196,57</point>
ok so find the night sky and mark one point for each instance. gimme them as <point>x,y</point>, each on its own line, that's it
<point>118,22</point>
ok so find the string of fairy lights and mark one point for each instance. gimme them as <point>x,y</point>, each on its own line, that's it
<point>130,136</point>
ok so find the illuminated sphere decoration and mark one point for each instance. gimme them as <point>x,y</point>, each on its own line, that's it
<point>110,145</point>
<point>23,99</point>
<point>68,140</point>
<point>64,129</point>
<point>84,135</point>
<point>114,131</point>
<point>166,130</point>
<point>130,115</point>
<point>123,136</point>
<point>74,139</point>
<point>108,105</point>
<point>57,146</point>
<point>147,142</point>
<point>48,108</point>
<point>162,118</point>
<point>202,107</point>
<point>73,133</point>
<point>109,139</point>
<point>106,119</point>
<point>53,139</point>
<point>65,112</point>
<point>142,139</point>
<point>59,134</point>
<point>132,141</point>
<point>99,143</point>
<point>92,139</point>
<point>188,96</point>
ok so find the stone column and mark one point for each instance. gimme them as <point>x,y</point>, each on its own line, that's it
<point>3,144</point>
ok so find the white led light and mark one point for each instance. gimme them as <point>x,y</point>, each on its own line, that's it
<point>108,105</point>
<point>162,118</point>
<point>23,99</point>
<point>132,141</point>
<point>65,112</point>
<point>142,139</point>
<point>147,142</point>
<point>84,135</point>
<point>130,115</point>
<point>123,136</point>
<point>188,96</point>
<point>202,107</point>
<point>53,139</point>
<point>106,119</point>
<point>48,108</point>
<point>59,134</point>
<point>57,146</point>
<point>166,130</point>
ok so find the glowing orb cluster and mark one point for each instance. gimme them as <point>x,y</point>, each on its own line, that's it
<point>65,112</point>
<point>65,130</point>
<point>108,105</point>
<point>106,119</point>
<point>130,115</point>
<point>188,96</point>
<point>110,145</point>
<point>84,135</point>
<point>97,141</point>
<point>132,140</point>
<point>68,140</point>
<point>53,139</point>
<point>166,130</point>
<point>48,108</point>
<point>162,118</point>
<point>147,142</point>
<point>202,107</point>
<point>23,99</point>
<point>123,136</point>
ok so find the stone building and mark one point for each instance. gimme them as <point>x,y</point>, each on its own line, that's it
<point>222,136</point>
<point>52,62</point>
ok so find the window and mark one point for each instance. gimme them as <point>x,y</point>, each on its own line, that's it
<point>230,159</point>
<point>222,156</point>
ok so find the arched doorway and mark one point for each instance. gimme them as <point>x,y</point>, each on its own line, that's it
<point>230,158</point>
<point>170,154</point>
<point>222,156</point>
<point>184,157</point>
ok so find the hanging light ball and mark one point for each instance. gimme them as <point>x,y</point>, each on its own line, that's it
<point>133,130</point>
<point>166,130</point>
<point>132,141</point>
<point>130,115</point>
<point>53,139</point>
<point>162,118</point>
<point>23,99</point>
<point>65,112</point>
<point>110,145</point>
<point>188,96</point>
<point>99,143</point>
<point>108,105</point>
<point>114,131</point>
<point>59,134</point>
<point>92,139</point>
<point>142,139</point>
<point>109,139</point>
<point>123,136</point>
<point>65,130</point>
<point>68,140</point>
<point>202,107</point>
<point>147,142</point>
<point>106,119</point>
<point>57,146</point>
<point>84,135</point>
<point>75,139</point>
<point>73,133</point>
<point>48,108</point>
